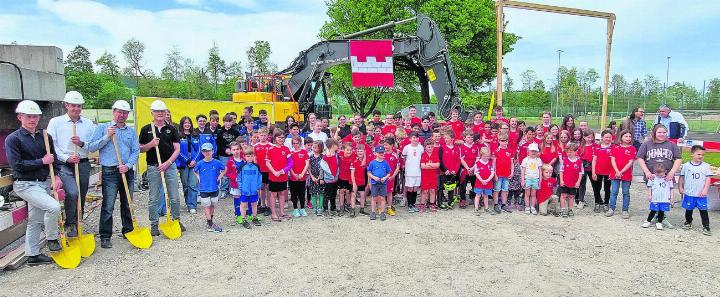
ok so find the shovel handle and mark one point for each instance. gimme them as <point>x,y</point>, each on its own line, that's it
<point>61,221</point>
<point>124,180</point>
<point>77,184</point>
<point>162,174</point>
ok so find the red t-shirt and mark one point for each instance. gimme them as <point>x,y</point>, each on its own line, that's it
<point>415,120</point>
<point>478,129</point>
<point>513,140</point>
<point>547,187</point>
<point>602,165</point>
<point>522,150</point>
<point>299,158</point>
<point>261,151</point>
<point>451,158</point>
<point>503,162</point>
<point>332,162</point>
<point>457,127</point>
<point>392,160</point>
<point>586,153</point>
<point>469,153</point>
<point>571,171</point>
<point>501,119</point>
<point>548,153</point>
<point>483,172</point>
<point>278,158</point>
<point>345,164</point>
<point>357,167</point>
<point>388,129</point>
<point>429,157</point>
<point>623,156</point>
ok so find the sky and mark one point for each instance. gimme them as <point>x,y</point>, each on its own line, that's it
<point>646,32</point>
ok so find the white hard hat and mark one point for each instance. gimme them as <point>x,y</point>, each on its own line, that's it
<point>121,105</point>
<point>28,107</point>
<point>74,97</point>
<point>158,105</point>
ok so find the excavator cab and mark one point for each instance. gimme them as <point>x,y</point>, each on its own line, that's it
<point>268,92</point>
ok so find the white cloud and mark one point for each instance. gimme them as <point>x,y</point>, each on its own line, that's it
<point>189,2</point>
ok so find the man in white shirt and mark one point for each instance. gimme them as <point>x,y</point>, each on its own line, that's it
<point>412,153</point>
<point>673,121</point>
<point>72,150</point>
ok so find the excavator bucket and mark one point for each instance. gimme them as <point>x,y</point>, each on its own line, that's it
<point>86,243</point>
<point>140,237</point>
<point>67,258</point>
<point>171,229</point>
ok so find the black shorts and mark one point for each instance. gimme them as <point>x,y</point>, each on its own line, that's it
<point>361,188</point>
<point>568,190</point>
<point>344,185</point>
<point>277,186</point>
<point>265,177</point>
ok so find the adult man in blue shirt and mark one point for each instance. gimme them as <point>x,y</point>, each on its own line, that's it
<point>673,121</point>
<point>112,170</point>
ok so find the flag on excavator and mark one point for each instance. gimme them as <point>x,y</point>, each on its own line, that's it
<point>372,63</point>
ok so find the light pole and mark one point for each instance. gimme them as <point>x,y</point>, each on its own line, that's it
<point>667,79</point>
<point>557,95</point>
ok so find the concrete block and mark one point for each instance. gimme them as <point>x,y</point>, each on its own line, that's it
<point>39,58</point>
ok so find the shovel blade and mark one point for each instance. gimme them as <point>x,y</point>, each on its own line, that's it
<point>140,237</point>
<point>68,257</point>
<point>171,229</point>
<point>85,242</point>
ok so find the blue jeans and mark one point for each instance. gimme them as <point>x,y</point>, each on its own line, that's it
<point>111,187</point>
<point>614,187</point>
<point>190,187</point>
<point>224,184</point>
<point>156,186</point>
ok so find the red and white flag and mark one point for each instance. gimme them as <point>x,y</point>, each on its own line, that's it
<point>372,63</point>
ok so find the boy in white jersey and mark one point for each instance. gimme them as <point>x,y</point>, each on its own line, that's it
<point>660,196</point>
<point>411,154</point>
<point>694,184</point>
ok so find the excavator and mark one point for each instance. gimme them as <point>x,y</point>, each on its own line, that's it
<point>301,88</point>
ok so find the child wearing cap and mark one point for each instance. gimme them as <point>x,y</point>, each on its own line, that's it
<point>249,180</point>
<point>530,177</point>
<point>209,172</point>
<point>378,173</point>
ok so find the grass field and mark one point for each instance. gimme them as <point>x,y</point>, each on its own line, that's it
<point>712,158</point>
<point>707,126</point>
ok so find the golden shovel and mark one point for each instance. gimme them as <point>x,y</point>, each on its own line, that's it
<point>139,237</point>
<point>69,256</point>
<point>86,242</point>
<point>171,228</point>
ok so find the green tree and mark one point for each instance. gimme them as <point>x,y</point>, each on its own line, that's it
<point>110,91</point>
<point>259,58</point>
<point>173,68</point>
<point>712,99</point>
<point>87,83</point>
<point>78,61</point>
<point>134,50</point>
<point>528,78</point>
<point>108,64</point>
<point>216,66</point>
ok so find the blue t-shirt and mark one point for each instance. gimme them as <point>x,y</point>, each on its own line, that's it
<point>209,172</point>
<point>379,170</point>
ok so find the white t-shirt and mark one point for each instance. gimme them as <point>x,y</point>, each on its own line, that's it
<point>412,155</point>
<point>319,136</point>
<point>694,177</point>
<point>660,190</point>
<point>532,167</point>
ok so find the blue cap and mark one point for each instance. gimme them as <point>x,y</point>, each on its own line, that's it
<point>207,146</point>
<point>380,149</point>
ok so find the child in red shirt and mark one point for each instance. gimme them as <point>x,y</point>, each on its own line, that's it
<point>503,163</point>
<point>278,163</point>
<point>456,125</point>
<point>429,164</point>
<point>621,160</point>
<point>450,168</point>
<point>468,155</point>
<point>522,149</point>
<point>546,200</point>
<point>601,169</point>
<point>571,173</point>
<point>347,157</point>
<point>357,177</point>
<point>484,174</point>
<point>330,167</point>
<point>392,159</point>
<point>261,150</point>
<point>586,151</point>
<point>298,176</point>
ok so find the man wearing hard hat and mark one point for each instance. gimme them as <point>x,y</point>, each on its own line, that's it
<point>25,149</point>
<point>102,140</point>
<point>167,140</point>
<point>70,133</point>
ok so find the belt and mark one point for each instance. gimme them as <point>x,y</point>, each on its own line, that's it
<point>83,160</point>
<point>30,179</point>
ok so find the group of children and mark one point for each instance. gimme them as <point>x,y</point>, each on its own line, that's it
<point>530,169</point>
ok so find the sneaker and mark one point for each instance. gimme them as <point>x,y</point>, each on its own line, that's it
<point>687,226</point>
<point>411,209</point>
<point>295,213</point>
<point>659,226</point>
<point>564,213</point>
<point>609,213</point>
<point>497,209</point>
<point>215,228</point>
<point>433,208</point>
<point>477,212</point>
<point>266,212</point>
<point>239,220</point>
<point>309,205</point>
<point>527,210</point>
<point>105,243</point>
<point>390,211</point>
<point>333,213</point>
<point>382,216</point>
<point>372,216</point>
<point>421,208</point>
<point>443,205</point>
<point>154,230</point>
<point>580,205</point>
<point>54,245</point>
<point>246,224</point>
<point>533,211</point>
<point>666,224</point>
<point>303,213</point>
<point>256,221</point>
<point>646,224</point>
<point>507,209</point>
<point>38,260</point>
<point>463,204</point>
<point>487,210</point>
<point>193,211</point>
<point>352,213</point>
<point>706,231</point>
<point>571,213</point>
<point>606,207</point>
<point>71,232</point>
<point>625,215</point>
<point>363,212</point>
<point>596,209</point>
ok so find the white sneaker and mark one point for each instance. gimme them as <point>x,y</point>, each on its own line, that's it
<point>659,226</point>
<point>527,210</point>
<point>581,205</point>
<point>533,211</point>
<point>193,211</point>
<point>647,224</point>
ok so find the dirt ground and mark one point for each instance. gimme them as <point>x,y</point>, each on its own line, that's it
<point>449,253</point>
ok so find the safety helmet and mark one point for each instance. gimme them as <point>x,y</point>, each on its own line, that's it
<point>158,105</point>
<point>121,105</point>
<point>28,107</point>
<point>74,97</point>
